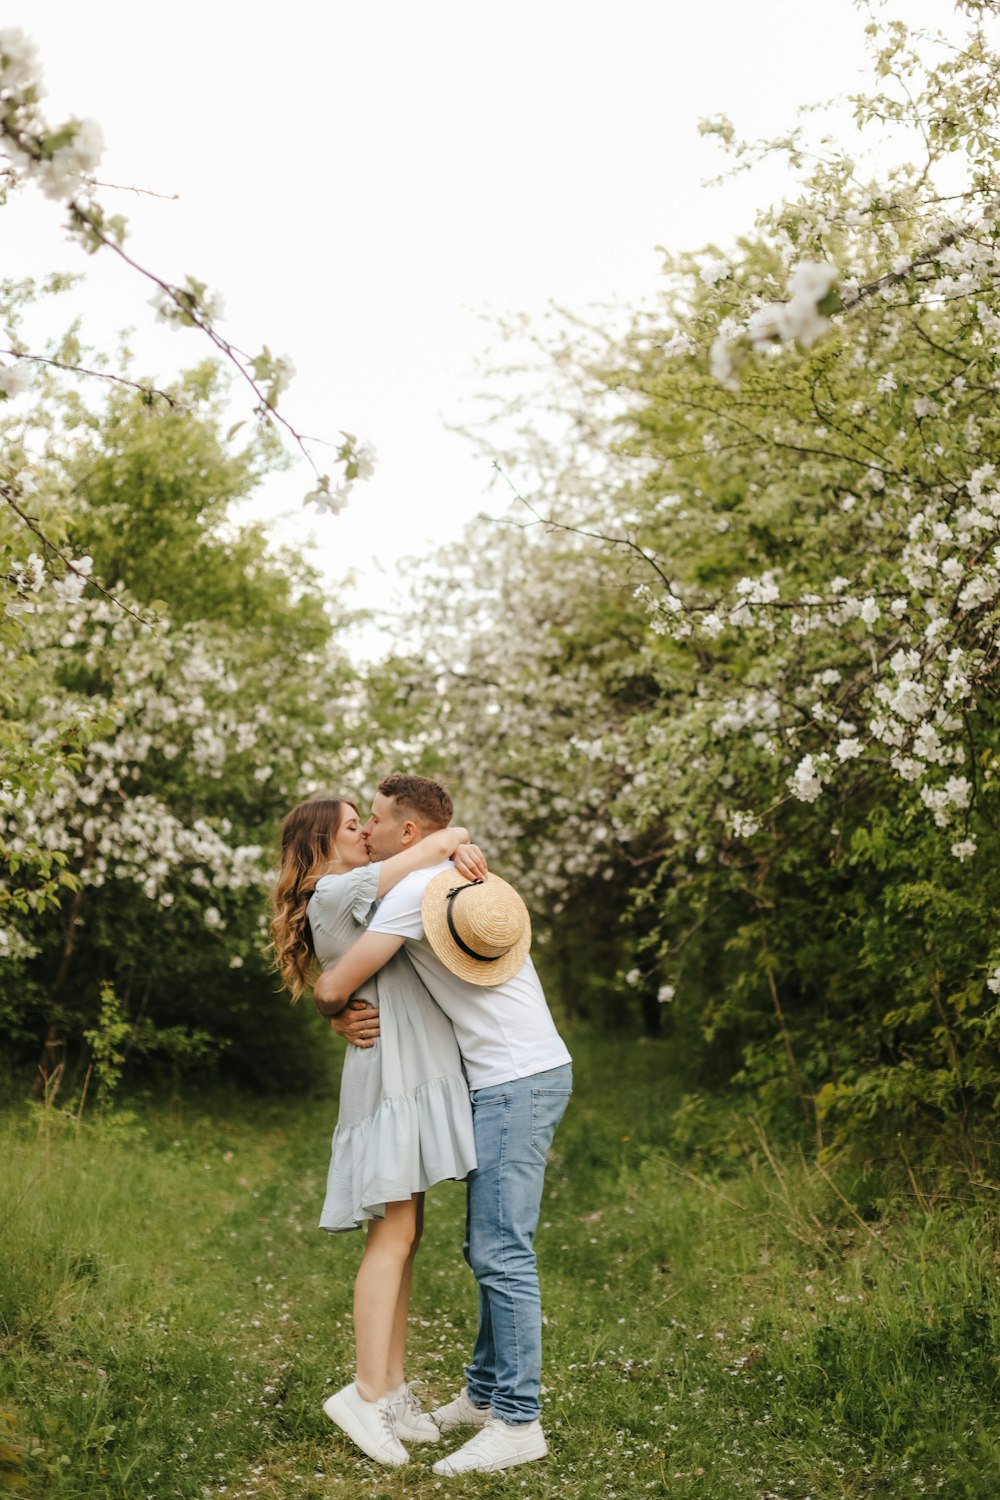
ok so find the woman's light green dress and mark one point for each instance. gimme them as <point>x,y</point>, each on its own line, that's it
<point>405,1119</point>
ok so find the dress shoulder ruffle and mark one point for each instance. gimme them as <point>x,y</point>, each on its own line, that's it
<point>350,895</point>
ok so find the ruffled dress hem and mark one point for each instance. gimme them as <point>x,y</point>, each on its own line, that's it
<point>411,1141</point>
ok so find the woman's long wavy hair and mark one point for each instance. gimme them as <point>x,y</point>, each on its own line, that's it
<point>308,848</point>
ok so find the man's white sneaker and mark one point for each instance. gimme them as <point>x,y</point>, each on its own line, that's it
<point>369,1424</point>
<point>460,1413</point>
<point>413,1424</point>
<point>499,1445</point>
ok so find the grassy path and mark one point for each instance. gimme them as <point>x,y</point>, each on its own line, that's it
<point>170,1318</point>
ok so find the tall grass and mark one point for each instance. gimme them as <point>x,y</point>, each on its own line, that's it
<point>732,1323</point>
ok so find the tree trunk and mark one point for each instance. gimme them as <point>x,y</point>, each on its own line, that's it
<point>53,1058</point>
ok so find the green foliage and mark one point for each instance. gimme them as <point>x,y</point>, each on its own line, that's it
<point>107,1042</point>
<point>725,682</point>
<point>190,711</point>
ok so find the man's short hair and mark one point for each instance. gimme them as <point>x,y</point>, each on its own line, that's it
<point>424,799</point>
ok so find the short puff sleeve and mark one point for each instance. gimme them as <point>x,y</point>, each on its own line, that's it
<point>340,897</point>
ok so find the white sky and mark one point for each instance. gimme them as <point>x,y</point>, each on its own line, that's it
<point>363,181</point>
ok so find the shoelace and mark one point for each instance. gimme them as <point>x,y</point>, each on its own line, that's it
<point>492,1435</point>
<point>387,1417</point>
<point>407,1402</point>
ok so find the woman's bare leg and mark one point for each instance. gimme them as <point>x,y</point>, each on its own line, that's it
<point>397,1343</point>
<point>377,1288</point>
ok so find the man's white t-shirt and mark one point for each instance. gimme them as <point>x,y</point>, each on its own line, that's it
<point>504,1031</point>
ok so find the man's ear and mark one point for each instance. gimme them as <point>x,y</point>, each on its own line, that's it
<point>410,834</point>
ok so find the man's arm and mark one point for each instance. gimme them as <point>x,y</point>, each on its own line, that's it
<point>364,958</point>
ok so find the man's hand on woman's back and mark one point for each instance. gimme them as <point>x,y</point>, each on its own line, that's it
<point>357,1023</point>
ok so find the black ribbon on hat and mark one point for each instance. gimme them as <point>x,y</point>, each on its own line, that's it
<point>469,952</point>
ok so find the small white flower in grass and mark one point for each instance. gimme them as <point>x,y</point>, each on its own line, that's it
<point>213,918</point>
<point>993,983</point>
<point>665,994</point>
<point>236,962</point>
<point>632,978</point>
<point>869,611</point>
<point>886,383</point>
<point>964,850</point>
<point>849,749</point>
<point>744,825</point>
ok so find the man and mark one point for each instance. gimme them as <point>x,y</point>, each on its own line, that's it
<point>520,1079</point>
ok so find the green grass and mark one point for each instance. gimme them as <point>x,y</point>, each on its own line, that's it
<point>742,1326</point>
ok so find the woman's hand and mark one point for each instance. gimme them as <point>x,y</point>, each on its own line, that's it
<point>470,861</point>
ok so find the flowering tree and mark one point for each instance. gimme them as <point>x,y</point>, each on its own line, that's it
<point>750,695</point>
<point>214,698</point>
<point>40,574</point>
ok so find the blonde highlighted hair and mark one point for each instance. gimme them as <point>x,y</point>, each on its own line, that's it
<point>308,848</point>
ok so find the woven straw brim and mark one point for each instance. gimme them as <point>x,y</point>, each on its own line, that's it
<point>498,911</point>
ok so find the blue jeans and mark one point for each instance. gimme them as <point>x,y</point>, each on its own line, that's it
<point>514,1124</point>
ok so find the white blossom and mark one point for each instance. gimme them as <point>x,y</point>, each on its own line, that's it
<point>14,379</point>
<point>713,271</point>
<point>806,781</point>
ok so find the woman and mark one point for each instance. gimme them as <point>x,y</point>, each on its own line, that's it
<point>405,1119</point>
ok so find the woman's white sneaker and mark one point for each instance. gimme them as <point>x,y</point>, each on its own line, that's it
<point>499,1445</point>
<point>460,1413</point>
<point>413,1424</point>
<point>369,1424</point>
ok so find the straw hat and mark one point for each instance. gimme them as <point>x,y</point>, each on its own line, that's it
<point>479,929</point>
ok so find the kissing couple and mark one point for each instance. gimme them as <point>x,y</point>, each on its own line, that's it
<point>454,1070</point>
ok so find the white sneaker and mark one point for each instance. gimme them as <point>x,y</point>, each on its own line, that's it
<point>369,1424</point>
<point>413,1424</point>
<point>500,1445</point>
<point>460,1413</point>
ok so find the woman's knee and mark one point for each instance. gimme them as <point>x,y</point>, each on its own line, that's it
<point>398,1233</point>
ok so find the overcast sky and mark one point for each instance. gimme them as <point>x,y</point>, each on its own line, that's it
<point>364,181</point>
